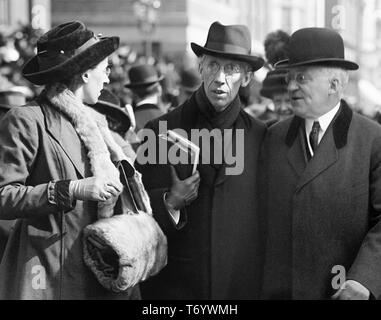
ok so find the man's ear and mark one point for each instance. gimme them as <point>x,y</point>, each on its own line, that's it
<point>247,78</point>
<point>334,84</point>
<point>200,67</point>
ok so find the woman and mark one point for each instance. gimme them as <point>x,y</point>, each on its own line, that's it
<point>56,170</point>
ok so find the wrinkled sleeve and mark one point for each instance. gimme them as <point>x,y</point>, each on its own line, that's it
<point>20,135</point>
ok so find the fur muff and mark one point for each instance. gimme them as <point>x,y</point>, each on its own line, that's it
<point>136,241</point>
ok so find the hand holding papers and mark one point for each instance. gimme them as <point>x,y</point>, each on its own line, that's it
<point>183,144</point>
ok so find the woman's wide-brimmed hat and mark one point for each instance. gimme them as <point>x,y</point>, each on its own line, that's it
<point>67,50</point>
<point>316,46</point>
<point>109,105</point>
<point>274,82</point>
<point>142,76</point>
<point>232,42</point>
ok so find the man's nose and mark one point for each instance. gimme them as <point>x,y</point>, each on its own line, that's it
<point>220,76</point>
<point>292,85</point>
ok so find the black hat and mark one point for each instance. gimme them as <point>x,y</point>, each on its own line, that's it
<point>232,42</point>
<point>109,105</point>
<point>142,75</point>
<point>275,81</point>
<point>316,46</point>
<point>65,51</point>
<point>190,80</point>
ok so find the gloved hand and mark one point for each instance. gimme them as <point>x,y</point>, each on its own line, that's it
<point>182,192</point>
<point>95,189</point>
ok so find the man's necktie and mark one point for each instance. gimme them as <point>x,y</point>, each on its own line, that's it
<point>314,135</point>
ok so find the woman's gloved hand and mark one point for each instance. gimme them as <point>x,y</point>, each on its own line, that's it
<point>94,189</point>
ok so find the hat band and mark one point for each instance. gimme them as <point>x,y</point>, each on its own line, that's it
<point>93,40</point>
<point>47,60</point>
<point>228,48</point>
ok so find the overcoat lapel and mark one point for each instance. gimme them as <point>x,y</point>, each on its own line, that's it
<point>65,135</point>
<point>325,156</point>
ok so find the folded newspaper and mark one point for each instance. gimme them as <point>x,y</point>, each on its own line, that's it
<point>183,144</point>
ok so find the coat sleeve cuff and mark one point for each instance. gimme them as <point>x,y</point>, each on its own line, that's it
<point>161,213</point>
<point>59,195</point>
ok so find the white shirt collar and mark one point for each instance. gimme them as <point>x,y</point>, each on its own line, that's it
<point>149,100</point>
<point>324,121</point>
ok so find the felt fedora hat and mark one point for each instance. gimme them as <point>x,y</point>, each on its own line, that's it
<point>232,42</point>
<point>316,46</point>
<point>190,80</point>
<point>109,105</point>
<point>143,75</point>
<point>274,82</point>
<point>67,50</point>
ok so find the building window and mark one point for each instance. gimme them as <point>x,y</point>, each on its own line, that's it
<point>286,18</point>
<point>4,12</point>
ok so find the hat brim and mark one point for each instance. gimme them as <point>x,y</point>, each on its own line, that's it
<point>333,62</point>
<point>143,84</point>
<point>255,62</point>
<point>115,112</point>
<point>75,65</point>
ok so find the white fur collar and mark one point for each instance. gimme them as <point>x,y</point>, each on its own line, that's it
<point>94,133</point>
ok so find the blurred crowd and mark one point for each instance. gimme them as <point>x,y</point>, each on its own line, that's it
<point>266,99</point>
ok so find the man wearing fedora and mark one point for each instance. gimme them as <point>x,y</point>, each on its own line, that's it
<point>146,88</point>
<point>210,217</point>
<point>321,182</point>
<point>56,170</point>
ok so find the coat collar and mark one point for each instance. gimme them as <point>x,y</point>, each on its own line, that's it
<point>326,155</point>
<point>62,131</point>
<point>190,114</point>
<point>340,127</point>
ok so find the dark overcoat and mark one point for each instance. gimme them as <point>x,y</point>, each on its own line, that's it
<point>144,113</point>
<point>214,251</point>
<point>44,257</point>
<point>322,215</point>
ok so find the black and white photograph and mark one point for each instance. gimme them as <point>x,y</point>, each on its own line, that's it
<point>190,155</point>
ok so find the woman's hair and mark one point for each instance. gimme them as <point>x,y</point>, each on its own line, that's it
<point>277,46</point>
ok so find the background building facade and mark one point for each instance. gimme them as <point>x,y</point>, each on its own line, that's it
<point>164,28</point>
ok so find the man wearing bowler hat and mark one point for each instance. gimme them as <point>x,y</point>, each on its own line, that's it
<point>146,88</point>
<point>210,217</point>
<point>321,182</point>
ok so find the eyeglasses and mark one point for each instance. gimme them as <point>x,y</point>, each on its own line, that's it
<point>298,77</point>
<point>229,68</point>
<point>107,70</point>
